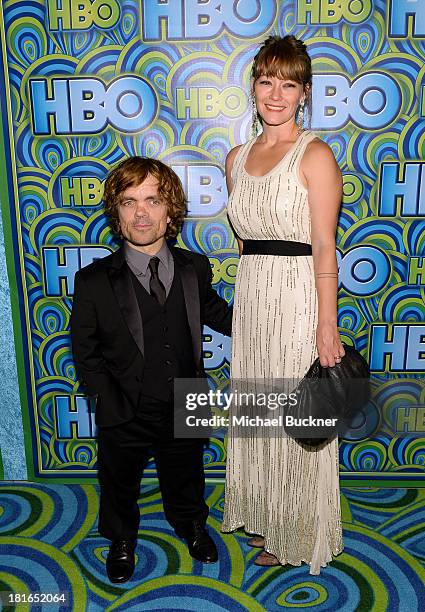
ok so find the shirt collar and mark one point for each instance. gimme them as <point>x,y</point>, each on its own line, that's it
<point>139,261</point>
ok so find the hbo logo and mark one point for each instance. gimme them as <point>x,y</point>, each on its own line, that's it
<point>371,101</point>
<point>204,19</point>
<point>332,11</point>
<point>363,270</point>
<point>87,106</point>
<point>82,14</point>
<point>208,102</point>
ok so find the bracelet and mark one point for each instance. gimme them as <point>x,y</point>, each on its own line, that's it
<point>330,274</point>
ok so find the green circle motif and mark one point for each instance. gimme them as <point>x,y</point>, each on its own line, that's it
<point>322,595</point>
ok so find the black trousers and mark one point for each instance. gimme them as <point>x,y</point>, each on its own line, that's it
<point>124,451</point>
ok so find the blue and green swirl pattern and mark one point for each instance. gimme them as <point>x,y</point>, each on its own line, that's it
<point>49,543</point>
<point>219,63</point>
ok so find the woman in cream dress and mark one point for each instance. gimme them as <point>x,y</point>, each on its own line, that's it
<point>284,186</point>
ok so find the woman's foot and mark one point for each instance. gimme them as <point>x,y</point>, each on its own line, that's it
<point>266,559</point>
<point>256,542</point>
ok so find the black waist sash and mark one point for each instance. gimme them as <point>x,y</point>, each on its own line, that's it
<point>275,247</point>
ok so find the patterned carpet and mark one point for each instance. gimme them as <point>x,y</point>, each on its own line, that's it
<point>49,544</point>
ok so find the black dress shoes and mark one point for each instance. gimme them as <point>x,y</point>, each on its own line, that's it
<point>120,560</point>
<point>201,546</point>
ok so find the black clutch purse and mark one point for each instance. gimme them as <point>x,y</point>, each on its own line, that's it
<point>328,399</point>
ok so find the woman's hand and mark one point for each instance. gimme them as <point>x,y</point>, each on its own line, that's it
<point>329,345</point>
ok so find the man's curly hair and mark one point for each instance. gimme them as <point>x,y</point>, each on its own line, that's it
<point>131,173</point>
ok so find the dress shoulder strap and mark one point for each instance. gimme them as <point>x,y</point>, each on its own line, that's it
<point>240,158</point>
<point>295,158</point>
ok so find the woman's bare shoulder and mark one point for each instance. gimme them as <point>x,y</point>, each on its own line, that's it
<point>231,157</point>
<point>318,153</point>
<point>317,145</point>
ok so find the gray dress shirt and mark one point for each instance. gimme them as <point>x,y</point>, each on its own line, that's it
<point>138,263</point>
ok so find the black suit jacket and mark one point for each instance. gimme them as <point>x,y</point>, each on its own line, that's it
<point>107,329</point>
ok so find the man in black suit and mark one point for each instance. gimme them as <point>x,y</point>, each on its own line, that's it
<point>136,325</point>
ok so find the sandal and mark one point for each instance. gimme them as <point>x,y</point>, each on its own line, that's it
<point>256,542</point>
<point>266,559</point>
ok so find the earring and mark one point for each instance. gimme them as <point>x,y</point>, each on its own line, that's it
<point>300,116</point>
<point>255,123</point>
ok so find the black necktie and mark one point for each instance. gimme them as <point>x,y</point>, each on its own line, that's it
<point>156,287</point>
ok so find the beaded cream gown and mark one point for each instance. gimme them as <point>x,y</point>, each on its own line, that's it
<point>275,487</point>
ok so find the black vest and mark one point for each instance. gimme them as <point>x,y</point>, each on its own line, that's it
<point>168,351</point>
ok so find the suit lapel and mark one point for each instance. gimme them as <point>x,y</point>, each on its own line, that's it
<point>119,274</point>
<point>190,286</point>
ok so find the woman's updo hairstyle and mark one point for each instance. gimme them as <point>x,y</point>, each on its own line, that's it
<point>284,58</point>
